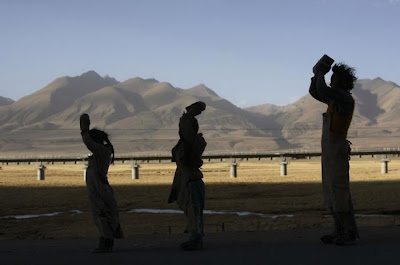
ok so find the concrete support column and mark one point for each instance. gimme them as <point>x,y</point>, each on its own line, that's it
<point>135,171</point>
<point>283,167</point>
<point>40,172</point>
<point>234,169</point>
<point>384,165</point>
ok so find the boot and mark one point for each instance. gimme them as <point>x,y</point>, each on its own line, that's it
<point>330,238</point>
<point>104,246</point>
<point>345,239</point>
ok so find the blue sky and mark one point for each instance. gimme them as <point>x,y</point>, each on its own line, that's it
<point>250,52</point>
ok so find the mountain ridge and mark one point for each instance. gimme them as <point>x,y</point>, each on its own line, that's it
<point>142,115</point>
<point>5,101</point>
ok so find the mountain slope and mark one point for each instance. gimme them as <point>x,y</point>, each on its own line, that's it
<point>142,115</point>
<point>52,99</point>
<point>5,101</point>
<point>376,114</point>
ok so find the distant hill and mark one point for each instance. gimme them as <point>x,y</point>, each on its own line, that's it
<point>5,101</point>
<point>142,116</point>
<point>52,99</point>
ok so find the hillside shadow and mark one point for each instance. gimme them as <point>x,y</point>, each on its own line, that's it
<point>368,107</point>
<point>265,125</point>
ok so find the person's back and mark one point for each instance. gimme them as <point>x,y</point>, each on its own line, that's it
<point>99,161</point>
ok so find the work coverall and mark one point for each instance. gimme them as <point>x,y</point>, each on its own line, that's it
<point>335,154</point>
<point>101,195</point>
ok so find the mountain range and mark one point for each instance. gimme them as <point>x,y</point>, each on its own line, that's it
<point>142,116</point>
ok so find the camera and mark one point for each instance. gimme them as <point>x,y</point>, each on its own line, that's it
<point>324,63</point>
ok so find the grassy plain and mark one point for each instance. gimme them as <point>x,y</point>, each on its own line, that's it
<point>258,188</point>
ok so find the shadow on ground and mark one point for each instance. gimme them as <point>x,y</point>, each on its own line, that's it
<point>303,200</point>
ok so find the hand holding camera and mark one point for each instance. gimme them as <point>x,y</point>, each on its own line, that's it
<point>323,66</point>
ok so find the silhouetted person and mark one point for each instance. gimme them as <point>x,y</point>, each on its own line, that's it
<point>336,148</point>
<point>188,187</point>
<point>101,196</point>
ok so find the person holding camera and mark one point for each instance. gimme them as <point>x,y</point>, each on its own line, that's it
<point>188,188</point>
<point>335,147</point>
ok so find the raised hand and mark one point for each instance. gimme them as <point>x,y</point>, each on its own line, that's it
<point>84,122</point>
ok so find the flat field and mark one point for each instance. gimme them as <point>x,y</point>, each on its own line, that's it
<point>257,189</point>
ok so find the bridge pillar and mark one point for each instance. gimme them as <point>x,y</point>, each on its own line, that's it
<point>234,169</point>
<point>283,167</point>
<point>384,165</point>
<point>40,172</point>
<point>84,167</point>
<point>135,171</point>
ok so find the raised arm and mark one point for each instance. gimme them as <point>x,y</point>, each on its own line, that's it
<point>186,130</point>
<point>316,87</point>
<point>87,140</point>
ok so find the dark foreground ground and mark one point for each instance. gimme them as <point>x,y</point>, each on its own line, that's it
<point>379,245</point>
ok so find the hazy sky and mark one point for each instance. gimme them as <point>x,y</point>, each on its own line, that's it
<point>250,52</point>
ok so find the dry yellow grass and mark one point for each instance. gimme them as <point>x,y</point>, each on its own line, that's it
<point>258,188</point>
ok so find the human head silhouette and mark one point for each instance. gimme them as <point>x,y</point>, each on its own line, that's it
<point>101,137</point>
<point>343,77</point>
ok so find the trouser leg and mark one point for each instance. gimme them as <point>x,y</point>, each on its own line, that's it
<point>195,209</point>
<point>105,215</point>
<point>326,183</point>
<point>327,189</point>
<point>103,225</point>
<point>348,221</point>
<point>343,205</point>
<point>338,226</point>
<point>106,239</point>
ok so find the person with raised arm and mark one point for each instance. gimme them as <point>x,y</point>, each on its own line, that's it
<point>188,188</point>
<point>101,196</point>
<point>335,147</point>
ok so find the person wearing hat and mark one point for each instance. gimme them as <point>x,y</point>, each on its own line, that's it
<point>188,188</point>
<point>336,148</point>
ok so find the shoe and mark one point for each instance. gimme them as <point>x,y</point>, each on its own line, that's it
<point>105,246</point>
<point>191,245</point>
<point>345,240</point>
<point>328,239</point>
